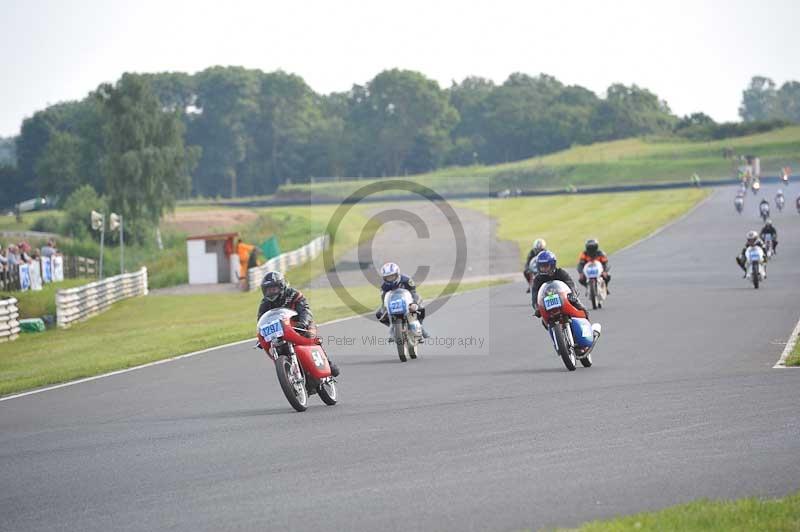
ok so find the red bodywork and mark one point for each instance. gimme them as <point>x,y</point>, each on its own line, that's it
<point>310,354</point>
<point>566,309</point>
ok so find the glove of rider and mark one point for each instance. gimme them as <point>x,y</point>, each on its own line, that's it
<point>537,313</point>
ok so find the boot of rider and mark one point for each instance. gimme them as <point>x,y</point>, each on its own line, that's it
<point>334,367</point>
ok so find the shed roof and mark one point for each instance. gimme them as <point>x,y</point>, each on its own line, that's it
<point>216,236</point>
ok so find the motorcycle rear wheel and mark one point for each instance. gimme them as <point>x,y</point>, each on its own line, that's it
<point>400,340</point>
<point>297,396</point>
<point>567,354</point>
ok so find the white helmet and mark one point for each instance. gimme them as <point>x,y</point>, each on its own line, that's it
<point>780,192</point>
<point>752,236</point>
<point>539,245</point>
<point>390,272</point>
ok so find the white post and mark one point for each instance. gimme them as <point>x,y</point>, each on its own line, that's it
<point>121,246</point>
<point>102,238</point>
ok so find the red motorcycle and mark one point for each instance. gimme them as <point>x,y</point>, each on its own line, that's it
<point>301,362</point>
<point>572,334</point>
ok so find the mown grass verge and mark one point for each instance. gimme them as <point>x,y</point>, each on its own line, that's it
<point>146,329</point>
<point>565,222</point>
<point>742,515</point>
<point>622,162</point>
<point>794,357</point>
<point>41,302</point>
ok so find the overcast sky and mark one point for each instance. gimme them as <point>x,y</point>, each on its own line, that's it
<point>698,56</point>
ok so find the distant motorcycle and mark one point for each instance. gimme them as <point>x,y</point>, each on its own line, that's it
<point>573,336</point>
<point>763,210</point>
<point>531,270</point>
<point>596,283</point>
<point>756,265</point>
<point>780,201</point>
<point>404,323</point>
<point>739,204</point>
<point>300,362</point>
<point>756,186</point>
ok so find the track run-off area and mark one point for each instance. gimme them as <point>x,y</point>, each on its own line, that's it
<point>485,431</point>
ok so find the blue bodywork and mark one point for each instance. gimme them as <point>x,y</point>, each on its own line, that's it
<point>582,332</point>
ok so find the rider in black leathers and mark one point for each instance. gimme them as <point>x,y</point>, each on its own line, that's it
<point>278,294</point>
<point>392,280</point>
<point>549,271</point>
<point>769,229</point>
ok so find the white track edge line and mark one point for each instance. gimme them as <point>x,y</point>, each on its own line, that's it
<point>171,359</point>
<point>339,320</point>
<point>149,364</point>
<point>790,343</point>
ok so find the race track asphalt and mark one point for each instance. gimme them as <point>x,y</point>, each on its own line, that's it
<point>682,403</point>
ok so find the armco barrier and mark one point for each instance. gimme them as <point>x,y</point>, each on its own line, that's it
<point>77,304</point>
<point>287,260</point>
<point>9,324</point>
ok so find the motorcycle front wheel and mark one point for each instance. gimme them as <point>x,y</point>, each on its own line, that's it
<point>755,275</point>
<point>295,394</point>
<point>567,354</point>
<point>327,392</point>
<point>593,293</point>
<point>413,348</point>
<point>399,340</point>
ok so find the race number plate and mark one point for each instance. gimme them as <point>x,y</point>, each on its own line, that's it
<point>272,330</point>
<point>552,301</point>
<point>592,271</point>
<point>397,306</point>
<point>755,256</point>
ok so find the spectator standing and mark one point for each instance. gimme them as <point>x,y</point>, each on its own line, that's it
<point>50,249</point>
<point>24,252</point>
<point>13,255</point>
<point>3,267</point>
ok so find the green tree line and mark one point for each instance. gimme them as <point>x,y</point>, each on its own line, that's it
<point>231,131</point>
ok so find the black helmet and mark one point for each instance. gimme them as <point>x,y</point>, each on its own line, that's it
<point>592,245</point>
<point>273,285</point>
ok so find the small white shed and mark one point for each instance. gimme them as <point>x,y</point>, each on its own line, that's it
<point>212,259</point>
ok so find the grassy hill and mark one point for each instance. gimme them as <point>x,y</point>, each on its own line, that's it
<point>629,161</point>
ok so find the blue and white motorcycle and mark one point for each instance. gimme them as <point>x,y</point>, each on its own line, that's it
<point>404,325</point>
<point>756,265</point>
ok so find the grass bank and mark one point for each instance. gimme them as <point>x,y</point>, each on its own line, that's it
<point>622,162</point>
<point>742,515</point>
<point>794,357</point>
<point>145,329</point>
<point>567,221</point>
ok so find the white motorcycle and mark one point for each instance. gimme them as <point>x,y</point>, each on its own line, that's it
<point>739,204</point>
<point>756,265</point>
<point>780,201</point>
<point>406,330</point>
<point>596,284</point>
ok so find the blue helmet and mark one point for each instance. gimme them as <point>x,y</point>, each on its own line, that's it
<point>546,262</point>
